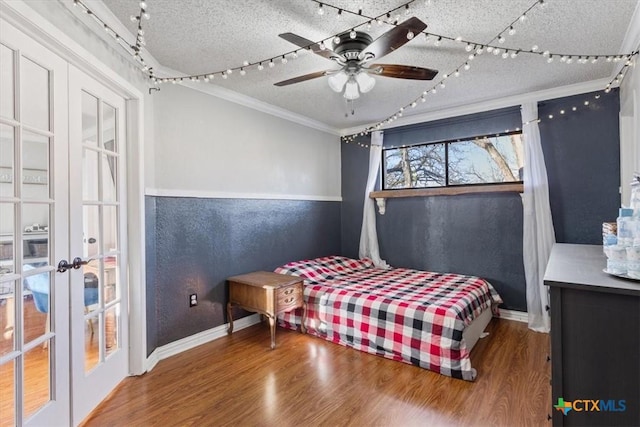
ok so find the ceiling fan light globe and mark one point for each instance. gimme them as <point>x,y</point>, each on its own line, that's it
<point>365,82</point>
<point>337,81</point>
<point>351,90</point>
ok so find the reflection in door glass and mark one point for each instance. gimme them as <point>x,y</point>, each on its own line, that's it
<point>7,82</point>
<point>34,94</point>
<point>37,378</point>
<point>7,178</point>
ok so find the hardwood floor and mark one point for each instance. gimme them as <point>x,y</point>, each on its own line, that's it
<point>238,380</point>
<point>36,388</point>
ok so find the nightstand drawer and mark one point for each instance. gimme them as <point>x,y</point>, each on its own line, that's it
<point>288,297</point>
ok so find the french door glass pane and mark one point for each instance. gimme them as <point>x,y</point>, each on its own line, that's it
<point>7,239</point>
<point>110,228</point>
<point>109,173</point>
<point>7,393</point>
<point>35,166</point>
<point>91,272</point>
<point>7,82</point>
<point>7,319</point>
<point>111,290</point>
<point>112,329</point>
<point>7,107</point>
<point>7,178</point>
<point>35,220</point>
<point>34,94</point>
<point>90,175</point>
<point>93,325</point>
<point>36,306</point>
<point>37,378</point>
<point>109,127</point>
<point>91,233</point>
<point>89,119</point>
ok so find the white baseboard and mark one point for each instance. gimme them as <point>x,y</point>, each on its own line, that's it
<point>518,316</point>
<point>195,340</point>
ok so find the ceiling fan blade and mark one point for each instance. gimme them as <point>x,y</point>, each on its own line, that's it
<point>403,71</point>
<point>392,39</point>
<point>305,43</point>
<point>302,78</point>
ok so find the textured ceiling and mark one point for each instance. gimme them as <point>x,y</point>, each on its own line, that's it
<point>203,36</point>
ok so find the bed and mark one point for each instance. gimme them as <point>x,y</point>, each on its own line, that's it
<point>427,319</point>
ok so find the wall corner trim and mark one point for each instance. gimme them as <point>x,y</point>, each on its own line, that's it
<point>207,194</point>
<point>518,316</point>
<point>195,340</point>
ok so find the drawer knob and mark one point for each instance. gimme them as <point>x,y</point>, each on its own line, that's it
<point>288,291</point>
<point>289,300</point>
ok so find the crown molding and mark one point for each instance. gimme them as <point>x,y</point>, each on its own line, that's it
<point>492,104</point>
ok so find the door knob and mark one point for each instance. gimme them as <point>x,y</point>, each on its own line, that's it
<point>63,266</point>
<point>77,262</point>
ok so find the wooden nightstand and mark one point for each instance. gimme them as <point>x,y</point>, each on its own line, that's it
<point>266,293</point>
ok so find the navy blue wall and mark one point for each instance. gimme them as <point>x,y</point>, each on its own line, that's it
<point>198,243</point>
<point>150,232</point>
<point>582,155</point>
<point>481,234</point>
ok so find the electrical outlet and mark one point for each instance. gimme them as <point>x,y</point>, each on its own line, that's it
<point>193,300</point>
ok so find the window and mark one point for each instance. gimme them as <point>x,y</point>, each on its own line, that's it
<point>477,160</point>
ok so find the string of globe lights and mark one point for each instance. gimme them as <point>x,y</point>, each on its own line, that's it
<point>507,53</point>
<point>393,17</point>
<point>134,49</point>
<point>386,17</point>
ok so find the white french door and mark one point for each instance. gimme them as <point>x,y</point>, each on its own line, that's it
<point>99,332</point>
<point>34,302</point>
<point>63,331</point>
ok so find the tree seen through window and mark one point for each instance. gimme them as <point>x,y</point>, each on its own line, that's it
<point>483,160</point>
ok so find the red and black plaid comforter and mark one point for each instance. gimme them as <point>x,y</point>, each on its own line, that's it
<point>408,315</point>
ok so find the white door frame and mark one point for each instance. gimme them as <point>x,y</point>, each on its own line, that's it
<point>23,17</point>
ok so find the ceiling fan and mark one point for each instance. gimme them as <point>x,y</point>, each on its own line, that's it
<point>354,50</point>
